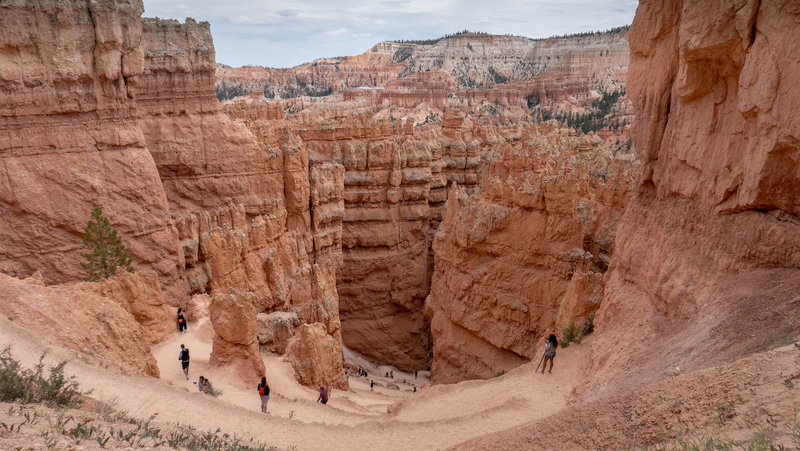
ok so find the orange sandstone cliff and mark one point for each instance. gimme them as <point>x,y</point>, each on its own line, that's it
<point>102,107</point>
<point>527,251</point>
<point>71,141</point>
<point>707,260</point>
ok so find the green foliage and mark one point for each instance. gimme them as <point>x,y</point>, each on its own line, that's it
<point>497,77</point>
<point>588,325</point>
<point>227,92</point>
<point>212,391</point>
<point>106,252</point>
<point>33,385</point>
<point>570,335</point>
<point>598,117</point>
<point>500,373</point>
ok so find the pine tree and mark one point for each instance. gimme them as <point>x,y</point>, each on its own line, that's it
<point>106,252</point>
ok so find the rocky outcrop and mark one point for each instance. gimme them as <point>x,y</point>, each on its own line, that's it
<point>706,264</point>
<point>527,251</point>
<point>140,295</point>
<point>96,326</point>
<point>316,357</point>
<point>72,141</point>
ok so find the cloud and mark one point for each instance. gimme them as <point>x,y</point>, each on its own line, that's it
<point>267,33</point>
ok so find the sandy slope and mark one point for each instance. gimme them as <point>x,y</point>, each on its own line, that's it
<point>436,417</point>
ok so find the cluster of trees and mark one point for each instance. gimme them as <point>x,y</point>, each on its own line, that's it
<point>228,92</point>
<point>585,34</point>
<point>595,119</point>
<point>434,41</point>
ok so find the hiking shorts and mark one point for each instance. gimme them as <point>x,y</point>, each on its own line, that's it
<point>264,400</point>
<point>185,364</point>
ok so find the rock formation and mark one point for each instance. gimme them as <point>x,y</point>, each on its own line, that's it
<point>706,264</point>
<point>242,204</point>
<point>526,251</point>
<point>72,141</point>
<point>140,295</point>
<point>196,197</point>
<point>78,317</point>
<point>468,66</point>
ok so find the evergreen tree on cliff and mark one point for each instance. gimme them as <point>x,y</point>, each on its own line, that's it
<point>106,252</point>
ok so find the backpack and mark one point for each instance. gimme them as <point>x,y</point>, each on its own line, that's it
<point>184,355</point>
<point>263,390</point>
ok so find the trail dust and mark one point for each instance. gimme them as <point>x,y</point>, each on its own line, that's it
<point>435,417</point>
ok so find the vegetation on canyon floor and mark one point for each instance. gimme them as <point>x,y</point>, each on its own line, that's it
<point>52,387</point>
<point>25,387</point>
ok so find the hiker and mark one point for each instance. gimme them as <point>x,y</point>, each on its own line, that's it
<point>386,375</point>
<point>323,395</point>
<point>263,392</point>
<point>182,328</point>
<point>371,385</point>
<point>184,358</point>
<point>415,374</point>
<point>415,389</point>
<point>201,384</point>
<point>207,388</point>
<point>391,374</point>
<point>551,343</point>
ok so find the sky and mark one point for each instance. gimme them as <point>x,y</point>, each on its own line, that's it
<point>285,34</point>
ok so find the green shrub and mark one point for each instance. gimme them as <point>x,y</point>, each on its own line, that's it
<point>500,373</point>
<point>32,385</point>
<point>570,335</point>
<point>588,325</point>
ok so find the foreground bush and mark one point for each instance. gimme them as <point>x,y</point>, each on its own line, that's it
<point>32,385</point>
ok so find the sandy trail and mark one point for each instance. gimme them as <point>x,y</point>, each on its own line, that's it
<point>435,417</point>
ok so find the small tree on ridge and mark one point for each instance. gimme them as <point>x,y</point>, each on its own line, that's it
<point>106,252</point>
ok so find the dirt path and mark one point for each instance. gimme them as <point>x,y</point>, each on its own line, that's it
<point>436,417</point>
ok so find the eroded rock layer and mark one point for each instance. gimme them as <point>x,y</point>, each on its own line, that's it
<point>707,264</point>
<point>526,251</point>
<point>71,140</point>
<point>101,107</point>
<point>241,202</point>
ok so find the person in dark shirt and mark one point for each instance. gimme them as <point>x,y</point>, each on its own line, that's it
<point>182,322</point>
<point>323,395</point>
<point>263,394</point>
<point>184,358</point>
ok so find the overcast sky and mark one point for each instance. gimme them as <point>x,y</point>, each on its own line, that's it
<point>285,34</point>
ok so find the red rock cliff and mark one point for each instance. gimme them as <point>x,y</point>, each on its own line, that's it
<point>240,202</point>
<point>527,251</point>
<point>71,140</point>
<point>708,254</point>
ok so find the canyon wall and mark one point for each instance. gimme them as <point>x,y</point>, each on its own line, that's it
<point>707,261</point>
<point>241,204</point>
<point>526,251</point>
<point>71,141</point>
<point>102,107</point>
